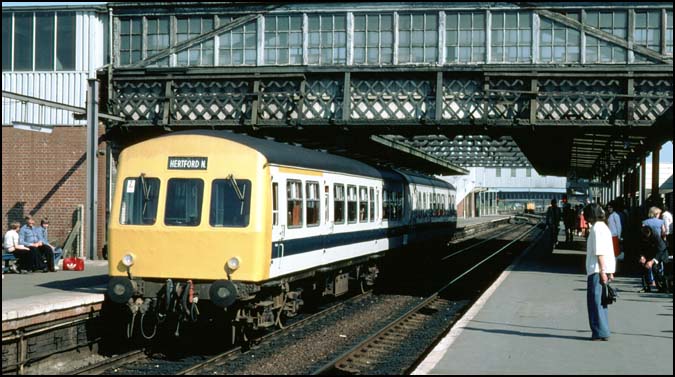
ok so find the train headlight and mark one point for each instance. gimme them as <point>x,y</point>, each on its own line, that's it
<point>128,260</point>
<point>233,264</point>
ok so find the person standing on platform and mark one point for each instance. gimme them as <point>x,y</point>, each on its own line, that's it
<point>599,261</point>
<point>614,223</point>
<point>553,220</point>
<point>569,218</point>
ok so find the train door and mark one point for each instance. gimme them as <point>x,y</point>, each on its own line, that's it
<point>278,220</point>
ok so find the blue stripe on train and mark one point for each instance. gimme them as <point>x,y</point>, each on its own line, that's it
<point>304,245</point>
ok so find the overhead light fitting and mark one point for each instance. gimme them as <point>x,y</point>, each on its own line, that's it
<point>33,127</point>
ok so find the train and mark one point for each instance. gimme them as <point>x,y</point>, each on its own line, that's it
<point>212,221</point>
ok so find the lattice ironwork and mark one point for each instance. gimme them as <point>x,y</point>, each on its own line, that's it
<point>462,99</point>
<point>211,100</point>
<point>506,100</point>
<point>583,99</point>
<point>392,99</point>
<point>652,98</point>
<point>138,101</point>
<point>280,99</point>
<point>323,99</point>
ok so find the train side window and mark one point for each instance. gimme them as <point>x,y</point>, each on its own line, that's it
<point>139,201</point>
<point>294,195</point>
<point>184,202</point>
<point>351,204</point>
<point>228,208</point>
<point>339,204</point>
<point>373,199</point>
<point>363,204</point>
<point>313,203</point>
<point>385,205</point>
<point>275,203</point>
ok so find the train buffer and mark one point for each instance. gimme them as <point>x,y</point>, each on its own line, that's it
<point>533,320</point>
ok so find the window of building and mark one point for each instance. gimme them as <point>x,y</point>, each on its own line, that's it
<point>647,31</point>
<point>313,203</point>
<point>513,172</point>
<point>373,39</point>
<point>528,172</point>
<point>294,203</point>
<point>158,39</point>
<point>130,40</point>
<point>65,41</point>
<point>7,41</point>
<point>327,39</point>
<point>558,43</point>
<point>598,51</point>
<point>351,204</point>
<point>184,202</point>
<point>465,37</point>
<point>230,206</point>
<point>188,28</point>
<point>239,45</point>
<point>511,37</point>
<point>418,38</point>
<point>283,39</point>
<point>44,41</point>
<point>339,204</point>
<point>139,201</point>
<point>23,36</point>
<point>498,172</point>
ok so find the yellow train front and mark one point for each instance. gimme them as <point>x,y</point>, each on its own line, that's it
<point>190,211</point>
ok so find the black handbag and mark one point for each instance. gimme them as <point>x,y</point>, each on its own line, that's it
<point>608,295</point>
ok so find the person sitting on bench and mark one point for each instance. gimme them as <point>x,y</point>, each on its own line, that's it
<point>28,236</point>
<point>22,253</point>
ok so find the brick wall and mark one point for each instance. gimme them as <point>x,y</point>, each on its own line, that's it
<point>44,175</point>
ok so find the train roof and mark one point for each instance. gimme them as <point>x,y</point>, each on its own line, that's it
<point>291,155</point>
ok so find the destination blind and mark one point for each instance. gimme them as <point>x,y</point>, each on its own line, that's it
<point>188,163</point>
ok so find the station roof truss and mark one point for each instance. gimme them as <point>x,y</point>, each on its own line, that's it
<point>576,118</point>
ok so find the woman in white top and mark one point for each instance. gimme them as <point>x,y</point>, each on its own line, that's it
<point>600,263</point>
<point>11,244</point>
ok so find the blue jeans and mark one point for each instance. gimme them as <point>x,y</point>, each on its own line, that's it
<point>597,314</point>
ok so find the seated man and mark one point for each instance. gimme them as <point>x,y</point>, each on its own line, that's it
<point>22,253</point>
<point>43,236</point>
<point>29,237</point>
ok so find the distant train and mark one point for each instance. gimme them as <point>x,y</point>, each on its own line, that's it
<point>209,220</point>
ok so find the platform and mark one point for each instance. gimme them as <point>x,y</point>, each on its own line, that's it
<point>27,295</point>
<point>533,320</point>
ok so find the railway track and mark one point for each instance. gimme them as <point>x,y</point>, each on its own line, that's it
<point>378,348</point>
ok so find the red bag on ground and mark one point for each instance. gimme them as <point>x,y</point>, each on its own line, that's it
<point>73,264</point>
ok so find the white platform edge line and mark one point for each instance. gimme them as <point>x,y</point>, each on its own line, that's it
<point>437,354</point>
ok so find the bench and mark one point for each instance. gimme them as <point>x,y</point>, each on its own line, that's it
<point>9,258</point>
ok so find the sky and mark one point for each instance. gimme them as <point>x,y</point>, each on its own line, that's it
<point>666,155</point>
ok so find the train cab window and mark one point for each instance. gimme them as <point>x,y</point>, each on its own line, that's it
<point>339,204</point>
<point>363,204</point>
<point>139,201</point>
<point>313,201</point>
<point>184,202</point>
<point>351,204</point>
<point>230,205</point>
<point>294,207</point>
